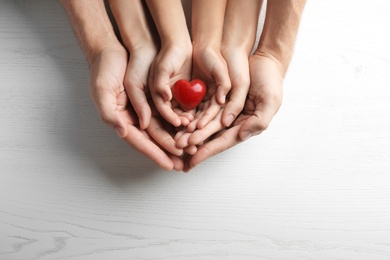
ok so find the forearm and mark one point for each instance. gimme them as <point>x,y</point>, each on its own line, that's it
<point>168,15</point>
<point>91,25</point>
<point>280,30</point>
<point>240,25</point>
<point>207,22</point>
<point>132,22</point>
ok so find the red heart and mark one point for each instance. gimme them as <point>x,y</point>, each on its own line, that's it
<point>189,94</point>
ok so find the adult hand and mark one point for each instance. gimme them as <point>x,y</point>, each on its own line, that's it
<point>267,68</point>
<point>238,38</point>
<point>263,101</point>
<point>108,59</point>
<point>108,93</point>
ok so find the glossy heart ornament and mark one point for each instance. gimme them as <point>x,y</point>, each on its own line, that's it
<point>189,94</point>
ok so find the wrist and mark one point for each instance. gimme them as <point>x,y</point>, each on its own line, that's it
<point>139,41</point>
<point>270,54</point>
<point>170,21</point>
<point>93,48</point>
<point>207,35</point>
<point>280,30</point>
<point>202,46</point>
<point>239,37</point>
<point>207,22</point>
<point>178,37</point>
<point>182,44</point>
<point>133,24</point>
<point>91,26</point>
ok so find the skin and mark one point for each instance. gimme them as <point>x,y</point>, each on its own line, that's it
<point>137,38</point>
<point>267,68</point>
<point>108,61</point>
<point>208,62</point>
<point>174,60</point>
<point>239,35</point>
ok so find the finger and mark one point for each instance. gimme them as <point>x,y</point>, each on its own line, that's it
<point>209,114</point>
<point>239,91</point>
<point>227,139</point>
<point>163,107</point>
<point>211,128</point>
<point>191,127</point>
<point>182,142</point>
<point>107,106</point>
<point>222,80</point>
<point>179,134</point>
<point>139,142</point>
<point>122,122</point>
<point>185,118</point>
<point>178,163</point>
<point>162,137</point>
<point>165,110</point>
<point>161,81</point>
<point>136,94</point>
<point>190,149</point>
<point>259,121</point>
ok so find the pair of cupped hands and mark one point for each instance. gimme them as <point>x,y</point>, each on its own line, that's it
<point>131,88</point>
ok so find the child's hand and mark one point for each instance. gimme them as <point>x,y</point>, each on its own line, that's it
<point>173,61</point>
<point>208,18</point>
<point>171,64</point>
<point>210,66</point>
<point>139,42</point>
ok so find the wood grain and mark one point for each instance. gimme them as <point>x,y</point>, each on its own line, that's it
<point>315,185</point>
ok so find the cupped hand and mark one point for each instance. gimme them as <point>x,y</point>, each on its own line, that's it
<point>171,64</point>
<point>136,36</point>
<point>238,65</point>
<point>136,79</point>
<point>107,90</point>
<point>210,66</point>
<point>236,58</point>
<point>263,101</point>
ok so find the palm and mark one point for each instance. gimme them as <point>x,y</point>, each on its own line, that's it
<point>210,66</point>
<point>109,95</point>
<point>170,65</point>
<point>136,82</point>
<point>263,101</point>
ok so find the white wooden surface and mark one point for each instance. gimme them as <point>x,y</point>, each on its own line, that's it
<point>316,185</point>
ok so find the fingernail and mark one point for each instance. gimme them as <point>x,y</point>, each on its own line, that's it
<point>246,135</point>
<point>119,131</point>
<point>223,99</point>
<point>229,120</point>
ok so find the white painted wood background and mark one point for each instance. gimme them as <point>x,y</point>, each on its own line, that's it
<point>315,185</point>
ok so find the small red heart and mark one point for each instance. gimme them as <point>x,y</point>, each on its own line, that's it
<point>189,94</point>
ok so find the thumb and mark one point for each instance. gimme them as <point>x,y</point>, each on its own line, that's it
<point>258,122</point>
<point>222,79</point>
<point>107,107</point>
<point>161,81</point>
<point>236,102</point>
